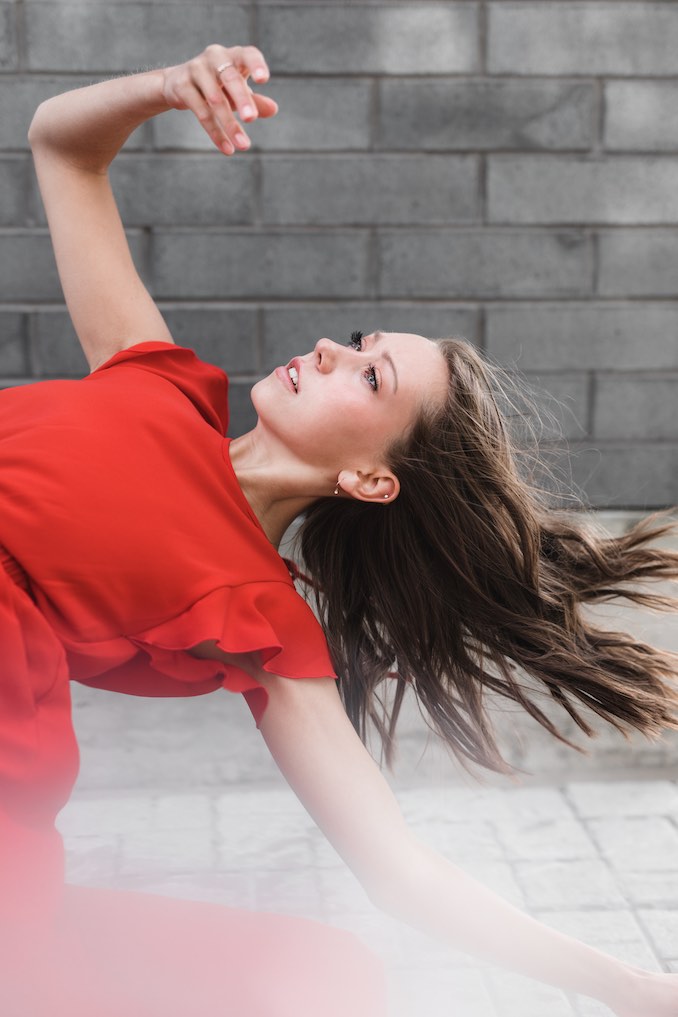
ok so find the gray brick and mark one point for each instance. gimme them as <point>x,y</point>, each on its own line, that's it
<point>29,271</point>
<point>641,115</point>
<point>239,265</point>
<point>291,330</point>
<point>13,361</point>
<point>573,189</point>
<point>638,406</point>
<point>69,36</point>
<point>561,404</point>
<point>9,57</point>
<point>629,475</point>
<point>490,114</point>
<point>19,99</point>
<point>491,263</point>
<point>371,189</point>
<point>558,840</point>
<point>184,190</point>
<point>581,336</point>
<point>550,37</point>
<point>55,350</point>
<point>650,889</point>
<point>224,335</point>
<point>388,40</point>
<point>303,120</point>
<point>13,191</point>
<point>639,262</point>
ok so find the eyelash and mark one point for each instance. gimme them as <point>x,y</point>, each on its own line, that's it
<point>356,343</point>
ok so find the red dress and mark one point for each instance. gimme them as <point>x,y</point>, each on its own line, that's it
<point>126,540</point>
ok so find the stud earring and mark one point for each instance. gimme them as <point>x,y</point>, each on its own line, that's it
<point>336,490</point>
<point>385,496</point>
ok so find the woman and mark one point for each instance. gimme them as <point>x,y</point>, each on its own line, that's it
<point>140,556</point>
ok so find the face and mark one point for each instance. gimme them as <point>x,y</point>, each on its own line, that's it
<point>351,401</point>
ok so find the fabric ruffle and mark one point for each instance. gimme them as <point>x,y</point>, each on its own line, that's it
<point>268,618</point>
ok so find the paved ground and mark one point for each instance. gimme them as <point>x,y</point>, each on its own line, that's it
<point>598,860</point>
<point>180,797</point>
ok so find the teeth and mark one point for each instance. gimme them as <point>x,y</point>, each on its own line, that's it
<point>294,375</point>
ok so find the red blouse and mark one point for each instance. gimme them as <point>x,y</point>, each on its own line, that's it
<point>118,498</point>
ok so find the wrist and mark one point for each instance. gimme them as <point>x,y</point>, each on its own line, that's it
<point>625,989</point>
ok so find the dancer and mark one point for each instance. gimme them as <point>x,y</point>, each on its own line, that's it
<point>139,553</point>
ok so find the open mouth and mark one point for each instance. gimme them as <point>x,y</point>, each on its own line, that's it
<point>294,377</point>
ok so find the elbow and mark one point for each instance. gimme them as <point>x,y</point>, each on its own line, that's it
<point>36,128</point>
<point>396,878</point>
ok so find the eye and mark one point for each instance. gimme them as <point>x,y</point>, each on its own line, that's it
<point>371,375</point>
<point>356,341</point>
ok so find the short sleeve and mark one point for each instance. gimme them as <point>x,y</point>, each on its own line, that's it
<point>204,384</point>
<point>265,617</point>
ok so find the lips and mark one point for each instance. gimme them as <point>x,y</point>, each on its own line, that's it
<point>288,373</point>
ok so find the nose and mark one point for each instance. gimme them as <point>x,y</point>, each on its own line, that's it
<point>326,354</point>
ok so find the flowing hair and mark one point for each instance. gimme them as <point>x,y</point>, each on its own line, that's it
<point>469,580</point>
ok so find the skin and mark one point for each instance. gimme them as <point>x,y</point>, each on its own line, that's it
<point>352,403</point>
<point>75,137</point>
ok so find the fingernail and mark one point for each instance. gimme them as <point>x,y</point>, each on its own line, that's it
<point>242,140</point>
<point>227,148</point>
<point>259,74</point>
<point>247,112</point>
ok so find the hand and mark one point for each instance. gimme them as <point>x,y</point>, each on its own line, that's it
<point>214,95</point>
<point>654,995</point>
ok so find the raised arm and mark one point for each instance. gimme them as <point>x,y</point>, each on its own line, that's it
<point>316,748</point>
<point>76,135</point>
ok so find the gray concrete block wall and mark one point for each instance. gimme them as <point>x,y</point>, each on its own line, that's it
<point>502,170</point>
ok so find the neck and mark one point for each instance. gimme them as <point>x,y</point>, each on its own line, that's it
<point>277,489</point>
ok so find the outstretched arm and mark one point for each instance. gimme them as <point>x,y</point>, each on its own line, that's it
<point>319,753</point>
<point>75,137</point>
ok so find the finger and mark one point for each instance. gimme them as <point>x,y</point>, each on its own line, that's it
<point>222,114</point>
<point>251,62</point>
<point>191,98</point>
<point>266,106</point>
<point>238,92</point>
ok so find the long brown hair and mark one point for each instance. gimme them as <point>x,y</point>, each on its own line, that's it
<point>470,580</point>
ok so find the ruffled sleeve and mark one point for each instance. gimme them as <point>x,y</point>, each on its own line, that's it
<point>265,617</point>
<point>204,384</point>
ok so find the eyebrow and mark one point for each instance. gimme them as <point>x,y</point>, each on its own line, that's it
<point>389,360</point>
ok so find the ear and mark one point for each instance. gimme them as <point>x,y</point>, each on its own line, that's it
<point>380,486</point>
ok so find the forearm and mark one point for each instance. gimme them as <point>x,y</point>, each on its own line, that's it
<point>442,900</point>
<point>88,126</point>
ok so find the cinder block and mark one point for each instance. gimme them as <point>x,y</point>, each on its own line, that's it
<point>568,884</point>
<point>386,189</point>
<point>551,37</point>
<point>439,114</point>
<point>410,39</point>
<point>13,360</point>
<point>561,404</point>
<point>315,113</point>
<point>242,416</point>
<point>639,262</point>
<point>237,265</point>
<point>102,37</point>
<point>19,99</point>
<point>623,798</point>
<point>54,347</point>
<point>225,335</point>
<point>28,266</point>
<point>9,57</point>
<point>290,330</point>
<point>573,189</point>
<point>662,925</point>
<point>13,190</point>
<point>641,115</point>
<point>584,337</point>
<point>636,406</point>
<point>488,263</point>
<point>184,190</point>
<point>627,475</point>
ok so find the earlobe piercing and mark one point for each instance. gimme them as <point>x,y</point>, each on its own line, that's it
<point>385,496</point>
<point>336,490</point>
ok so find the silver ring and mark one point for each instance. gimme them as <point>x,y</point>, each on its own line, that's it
<point>222,67</point>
